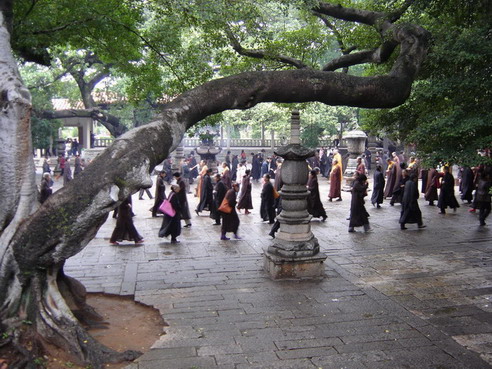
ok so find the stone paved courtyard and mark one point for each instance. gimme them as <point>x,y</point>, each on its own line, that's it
<point>419,298</point>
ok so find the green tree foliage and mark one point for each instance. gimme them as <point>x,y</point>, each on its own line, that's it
<point>449,113</point>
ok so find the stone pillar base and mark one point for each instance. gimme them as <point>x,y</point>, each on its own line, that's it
<point>294,268</point>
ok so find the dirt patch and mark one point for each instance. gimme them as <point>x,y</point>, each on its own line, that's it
<point>132,326</point>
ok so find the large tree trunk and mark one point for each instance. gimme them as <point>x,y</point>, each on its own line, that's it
<point>34,243</point>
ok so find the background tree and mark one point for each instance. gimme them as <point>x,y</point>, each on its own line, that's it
<point>36,241</point>
<point>449,113</point>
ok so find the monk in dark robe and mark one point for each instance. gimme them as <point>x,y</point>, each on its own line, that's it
<point>467,185</point>
<point>234,164</point>
<point>45,190</point>
<point>378,187</point>
<point>335,182</point>
<point>267,209</point>
<point>206,193</point>
<point>446,196</point>
<point>244,198</point>
<point>171,225</point>
<point>67,172</point>
<point>483,196</point>
<point>226,176</point>
<point>423,175</point>
<point>432,186</point>
<point>220,191</point>
<point>183,199</point>
<point>410,210</point>
<point>193,168</point>
<point>255,167</point>
<point>358,213</point>
<point>77,166</point>
<point>230,221</point>
<point>160,193</point>
<point>398,191</point>
<point>314,205</point>
<point>125,230</point>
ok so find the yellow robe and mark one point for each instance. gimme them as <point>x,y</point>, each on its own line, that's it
<point>199,185</point>
<point>338,158</point>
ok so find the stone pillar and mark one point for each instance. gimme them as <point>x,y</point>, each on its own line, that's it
<point>272,137</point>
<point>356,142</point>
<point>262,134</point>
<point>229,134</point>
<point>178,156</point>
<point>372,145</point>
<point>294,253</point>
<point>86,134</point>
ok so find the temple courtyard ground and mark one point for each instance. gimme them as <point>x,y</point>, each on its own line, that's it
<point>419,298</point>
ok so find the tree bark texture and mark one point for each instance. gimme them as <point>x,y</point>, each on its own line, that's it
<point>35,243</point>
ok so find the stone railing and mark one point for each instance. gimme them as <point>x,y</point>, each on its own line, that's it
<point>103,142</point>
<point>222,142</point>
<point>234,142</point>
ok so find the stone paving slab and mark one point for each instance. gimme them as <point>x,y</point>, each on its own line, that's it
<point>419,298</point>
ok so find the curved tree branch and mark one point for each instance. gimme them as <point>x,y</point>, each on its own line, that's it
<point>350,14</point>
<point>395,15</point>
<point>112,123</point>
<point>403,35</point>
<point>62,27</point>
<point>262,54</point>
<point>377,56</point>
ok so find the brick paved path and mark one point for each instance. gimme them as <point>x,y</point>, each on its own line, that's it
<point>390,299</point>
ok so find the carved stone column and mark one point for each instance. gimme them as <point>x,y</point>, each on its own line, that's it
<point>294,253</point>
<point>178,156</point>
<point>356,144</point>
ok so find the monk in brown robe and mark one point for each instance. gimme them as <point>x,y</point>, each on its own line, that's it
<point>335,182</point>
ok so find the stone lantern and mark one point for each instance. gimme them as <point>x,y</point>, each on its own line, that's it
<point>178,157</point>
<point>356,145</point>
<point>294,253</point>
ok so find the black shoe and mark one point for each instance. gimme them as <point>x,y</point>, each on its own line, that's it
<point>215,223</point>
<point>140,198</point>
<point>197,212</point>
<point>324,218</point>
<point>272,234</point>
<point>187,226</point>
<point>403,228</point>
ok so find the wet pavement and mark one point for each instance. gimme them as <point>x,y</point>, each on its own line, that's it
<point>419,298</point>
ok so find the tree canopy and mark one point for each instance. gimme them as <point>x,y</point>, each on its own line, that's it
<point>158,49</point>
<point>448,115</point>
